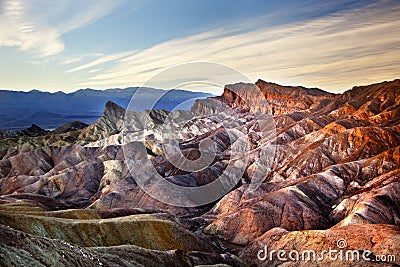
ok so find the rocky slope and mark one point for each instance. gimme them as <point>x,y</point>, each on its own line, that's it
<point>310,168</point>
<point>35,130</point>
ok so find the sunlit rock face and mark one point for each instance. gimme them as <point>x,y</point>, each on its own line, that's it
<point>335,164</point>
<point>355,245</point>
<point>327,167</point>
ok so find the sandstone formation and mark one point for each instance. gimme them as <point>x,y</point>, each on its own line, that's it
<point>374,239</point>
<point>21,249</point>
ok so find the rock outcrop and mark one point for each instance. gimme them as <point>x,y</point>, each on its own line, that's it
<point>34,130</point>
<point>21,249</point>
<point>362,245</point>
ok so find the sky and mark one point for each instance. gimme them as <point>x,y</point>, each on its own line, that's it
<point>68,45</point>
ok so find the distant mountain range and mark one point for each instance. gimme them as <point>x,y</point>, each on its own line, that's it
<point>50,110</point>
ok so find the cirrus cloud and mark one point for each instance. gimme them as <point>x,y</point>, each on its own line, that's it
<point>333,52</point>
<point>24,24</point>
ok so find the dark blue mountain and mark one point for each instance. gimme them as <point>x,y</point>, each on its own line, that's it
<point>49,110</point>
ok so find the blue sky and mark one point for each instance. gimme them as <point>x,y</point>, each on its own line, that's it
<point>67,45</point>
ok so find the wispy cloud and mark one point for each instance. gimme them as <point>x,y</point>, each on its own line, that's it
<point>332,52</point>
<point>72,60</point>
<point>94,70</point>
<point>25,25</point>
<point>86,13</point>
<point>102,60</point>
<point>23,30</point>
<point>80,57</point>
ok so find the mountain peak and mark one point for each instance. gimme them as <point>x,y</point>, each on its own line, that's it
<point>34,129</point>
<point>110,105</point>
<point>113,111</point>
<point>289,90</point>
<point>281,99</point>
